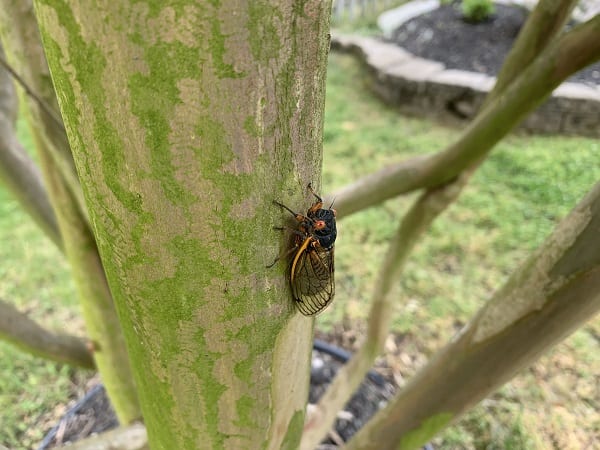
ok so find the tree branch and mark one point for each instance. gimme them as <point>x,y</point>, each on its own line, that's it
<point>570,53</point>
<point>20,330</point>
<point>550,296</point>
<point>418,219</point>
<point>18,172</point>
<point>22,37</point>
<point>350,376</point>
<point>544,23</point>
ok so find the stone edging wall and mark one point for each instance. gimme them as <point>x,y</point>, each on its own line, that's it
<point>423,87</point>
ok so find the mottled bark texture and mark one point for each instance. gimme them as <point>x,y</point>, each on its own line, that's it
<point>186,120</point>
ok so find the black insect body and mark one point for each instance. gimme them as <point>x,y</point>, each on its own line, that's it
<point>312,266</point>
<point>326,231</point>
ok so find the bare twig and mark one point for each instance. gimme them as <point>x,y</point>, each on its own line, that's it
<point>20,330</point>
<point>41,103</point>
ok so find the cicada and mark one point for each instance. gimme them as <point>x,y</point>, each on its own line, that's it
<point>311,268</point>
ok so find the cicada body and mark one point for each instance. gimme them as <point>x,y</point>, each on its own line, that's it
<point>312,266</point>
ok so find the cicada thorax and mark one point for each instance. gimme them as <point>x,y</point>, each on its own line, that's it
<point>312,266</point>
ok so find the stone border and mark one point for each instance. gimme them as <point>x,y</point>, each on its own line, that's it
<point>427,88</point>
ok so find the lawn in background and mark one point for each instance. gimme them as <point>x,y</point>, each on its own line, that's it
<point>512,203</point>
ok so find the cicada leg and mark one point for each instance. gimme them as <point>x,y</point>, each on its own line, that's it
<point>299,217</point>
<point>319,204</point>
<point>291,250</point>
<point>285,255</point>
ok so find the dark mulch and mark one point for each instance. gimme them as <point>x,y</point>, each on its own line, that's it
<point>442,35</point>
<point>373,394</point>
<point>93,414</point>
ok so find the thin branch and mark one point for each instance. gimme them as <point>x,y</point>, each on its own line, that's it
<point>41,103</point>
<point>20,330</point>
<point>389,182</point>
<point>17,170</point>
<point>570,53</point>
<point>544,23</point>
<point>552,294</point>
<point>415,223</point>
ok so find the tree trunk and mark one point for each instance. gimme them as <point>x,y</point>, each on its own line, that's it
<point>186,120</point>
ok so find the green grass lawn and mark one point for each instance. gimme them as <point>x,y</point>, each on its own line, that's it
<point>513,202</point>
<point>35,277</point>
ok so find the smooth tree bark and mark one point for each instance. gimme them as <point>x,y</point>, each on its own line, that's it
<point>21,41</point>
<point>186,120</point>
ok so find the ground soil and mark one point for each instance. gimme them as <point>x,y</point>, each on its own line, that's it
<point>443,35</point>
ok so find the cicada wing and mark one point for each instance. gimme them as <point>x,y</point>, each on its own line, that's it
<point>312,279</point>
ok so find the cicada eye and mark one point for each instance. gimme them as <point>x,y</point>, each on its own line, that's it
<point>320,224</point>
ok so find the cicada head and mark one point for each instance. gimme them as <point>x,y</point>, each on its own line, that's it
<point>324,228</point>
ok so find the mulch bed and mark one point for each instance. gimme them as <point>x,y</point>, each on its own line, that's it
<point>442,35</point>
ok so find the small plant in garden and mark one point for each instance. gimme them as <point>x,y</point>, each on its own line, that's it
<point>477,10</point>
